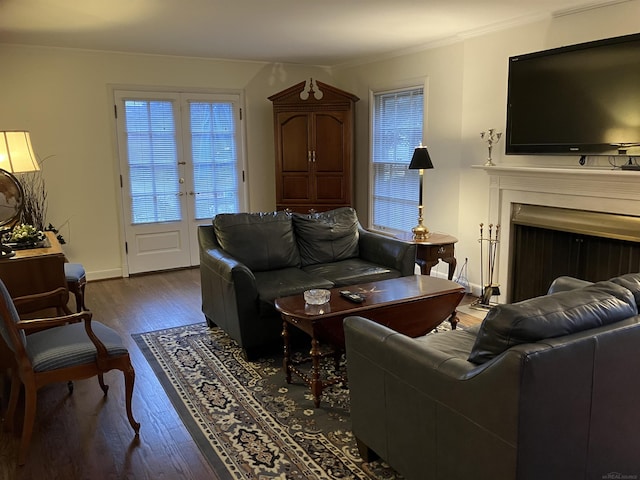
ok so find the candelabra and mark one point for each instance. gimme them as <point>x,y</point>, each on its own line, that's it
<point>491,137</point>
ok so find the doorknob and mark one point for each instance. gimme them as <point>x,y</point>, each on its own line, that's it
<point>182,163</point>
<point>181,181</point>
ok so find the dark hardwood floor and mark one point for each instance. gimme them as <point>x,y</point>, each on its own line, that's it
<point>87,436</point>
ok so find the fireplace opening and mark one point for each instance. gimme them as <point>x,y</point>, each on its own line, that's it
<point>547,242</point>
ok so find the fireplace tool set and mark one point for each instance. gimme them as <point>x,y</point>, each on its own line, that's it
<point>489,244</point>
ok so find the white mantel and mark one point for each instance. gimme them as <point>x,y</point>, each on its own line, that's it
<point>594,189</point>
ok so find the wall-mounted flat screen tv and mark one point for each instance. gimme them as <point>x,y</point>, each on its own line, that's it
<point>577,100</point>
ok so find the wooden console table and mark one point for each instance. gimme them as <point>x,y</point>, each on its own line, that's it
<point>35,270</point>
<point>439,246</point>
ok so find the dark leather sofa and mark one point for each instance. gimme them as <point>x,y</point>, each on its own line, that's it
<point>544,389</point>
<point>247,260</point>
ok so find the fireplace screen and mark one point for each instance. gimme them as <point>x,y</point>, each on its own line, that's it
<point>547,242</point>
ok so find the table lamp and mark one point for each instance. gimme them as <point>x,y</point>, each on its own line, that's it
<point>16,156</point>
<point>420,161</point>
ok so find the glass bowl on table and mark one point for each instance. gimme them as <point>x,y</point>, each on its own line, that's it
<point>316,296</point>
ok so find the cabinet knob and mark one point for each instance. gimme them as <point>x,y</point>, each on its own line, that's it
<point>309,156</point>
<point>313,156</point>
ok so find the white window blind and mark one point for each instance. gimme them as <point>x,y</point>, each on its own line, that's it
<point>214,153</point>
<point>153,161</point>
<point>397,131</point>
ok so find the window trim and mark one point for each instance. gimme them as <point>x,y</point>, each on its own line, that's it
<point>409,84</point>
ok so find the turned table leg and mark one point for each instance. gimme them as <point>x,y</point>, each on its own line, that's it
<point>453,320</point>
<point>286,360</point>
<point>316,383</point>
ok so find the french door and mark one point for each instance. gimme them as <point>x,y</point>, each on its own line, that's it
<point>181,163</point>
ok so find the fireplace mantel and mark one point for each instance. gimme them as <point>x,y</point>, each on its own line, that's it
<point>592,189</point>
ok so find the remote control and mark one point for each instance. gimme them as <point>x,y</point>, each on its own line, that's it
<point>352,297</point>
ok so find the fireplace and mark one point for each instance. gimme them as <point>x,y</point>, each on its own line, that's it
<point>598,206</point>
<point>547,242</point>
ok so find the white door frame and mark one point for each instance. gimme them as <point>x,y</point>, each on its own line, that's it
<point>165,92</point>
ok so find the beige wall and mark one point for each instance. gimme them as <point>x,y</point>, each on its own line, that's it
<point>466,85</point>
<point>62,97</point>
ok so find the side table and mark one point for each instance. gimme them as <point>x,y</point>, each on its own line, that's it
<point>438,246</point>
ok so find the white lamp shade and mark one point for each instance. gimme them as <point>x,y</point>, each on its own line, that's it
<point>16,152</point>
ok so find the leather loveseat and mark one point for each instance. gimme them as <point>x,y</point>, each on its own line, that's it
<point>247,260</point>
<point>545,389</point>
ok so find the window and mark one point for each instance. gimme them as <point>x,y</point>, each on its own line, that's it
<point>153,130</point>
<point>153,161</point>
<point>213,147</point>
<point>397,131</point>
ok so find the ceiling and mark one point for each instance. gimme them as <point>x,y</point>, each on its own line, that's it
<point>316,32</point>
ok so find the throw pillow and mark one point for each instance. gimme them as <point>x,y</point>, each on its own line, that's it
<point>262,241</point>
<point>327,236</point>
<point>550,316</point>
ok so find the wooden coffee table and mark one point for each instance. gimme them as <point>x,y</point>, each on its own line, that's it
<point>413,305</point>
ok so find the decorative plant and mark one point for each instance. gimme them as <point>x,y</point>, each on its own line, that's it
<point>34,211</point>
<point>25,233</point>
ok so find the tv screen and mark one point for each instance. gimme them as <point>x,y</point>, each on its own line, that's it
<point>577,100</point>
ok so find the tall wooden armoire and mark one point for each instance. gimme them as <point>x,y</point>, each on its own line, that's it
<point>313,127</point>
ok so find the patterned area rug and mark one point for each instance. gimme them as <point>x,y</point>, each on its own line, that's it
<point>248,422</point>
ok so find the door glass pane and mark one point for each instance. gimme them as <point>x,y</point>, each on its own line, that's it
<point>215,159</point>
<point>153,161</point>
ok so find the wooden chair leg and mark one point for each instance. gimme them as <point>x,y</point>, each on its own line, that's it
<point>103,386</point>
<point>76,283</point>
<point>16,385</point>
<point>30,398</point>
<point>129,380</point>
<point>78,293</point>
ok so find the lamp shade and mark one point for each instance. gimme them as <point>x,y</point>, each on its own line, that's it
<point>16,152</point>
<point>421,159</point>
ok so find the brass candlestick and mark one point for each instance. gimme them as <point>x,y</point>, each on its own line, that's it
<point>420,231</point>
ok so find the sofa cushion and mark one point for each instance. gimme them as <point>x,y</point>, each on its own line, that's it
<point>351,271</point>
<point>630,281</point>
<point>262,241</point>
<point>551,316</point>
<point>285,282</point>
<point>455,343</point>
<point>328,236</point>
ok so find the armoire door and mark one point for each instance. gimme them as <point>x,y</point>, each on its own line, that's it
<point>294,157</point>
<point>331,158</point>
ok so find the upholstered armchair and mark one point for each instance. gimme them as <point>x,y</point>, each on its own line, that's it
<point>60,349</point>
<point>543,389</point>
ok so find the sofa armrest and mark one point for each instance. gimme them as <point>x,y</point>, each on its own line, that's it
<point>229,292</point>
<point>387,251</point>
<point>564,283</point>
<point>218,260</point>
